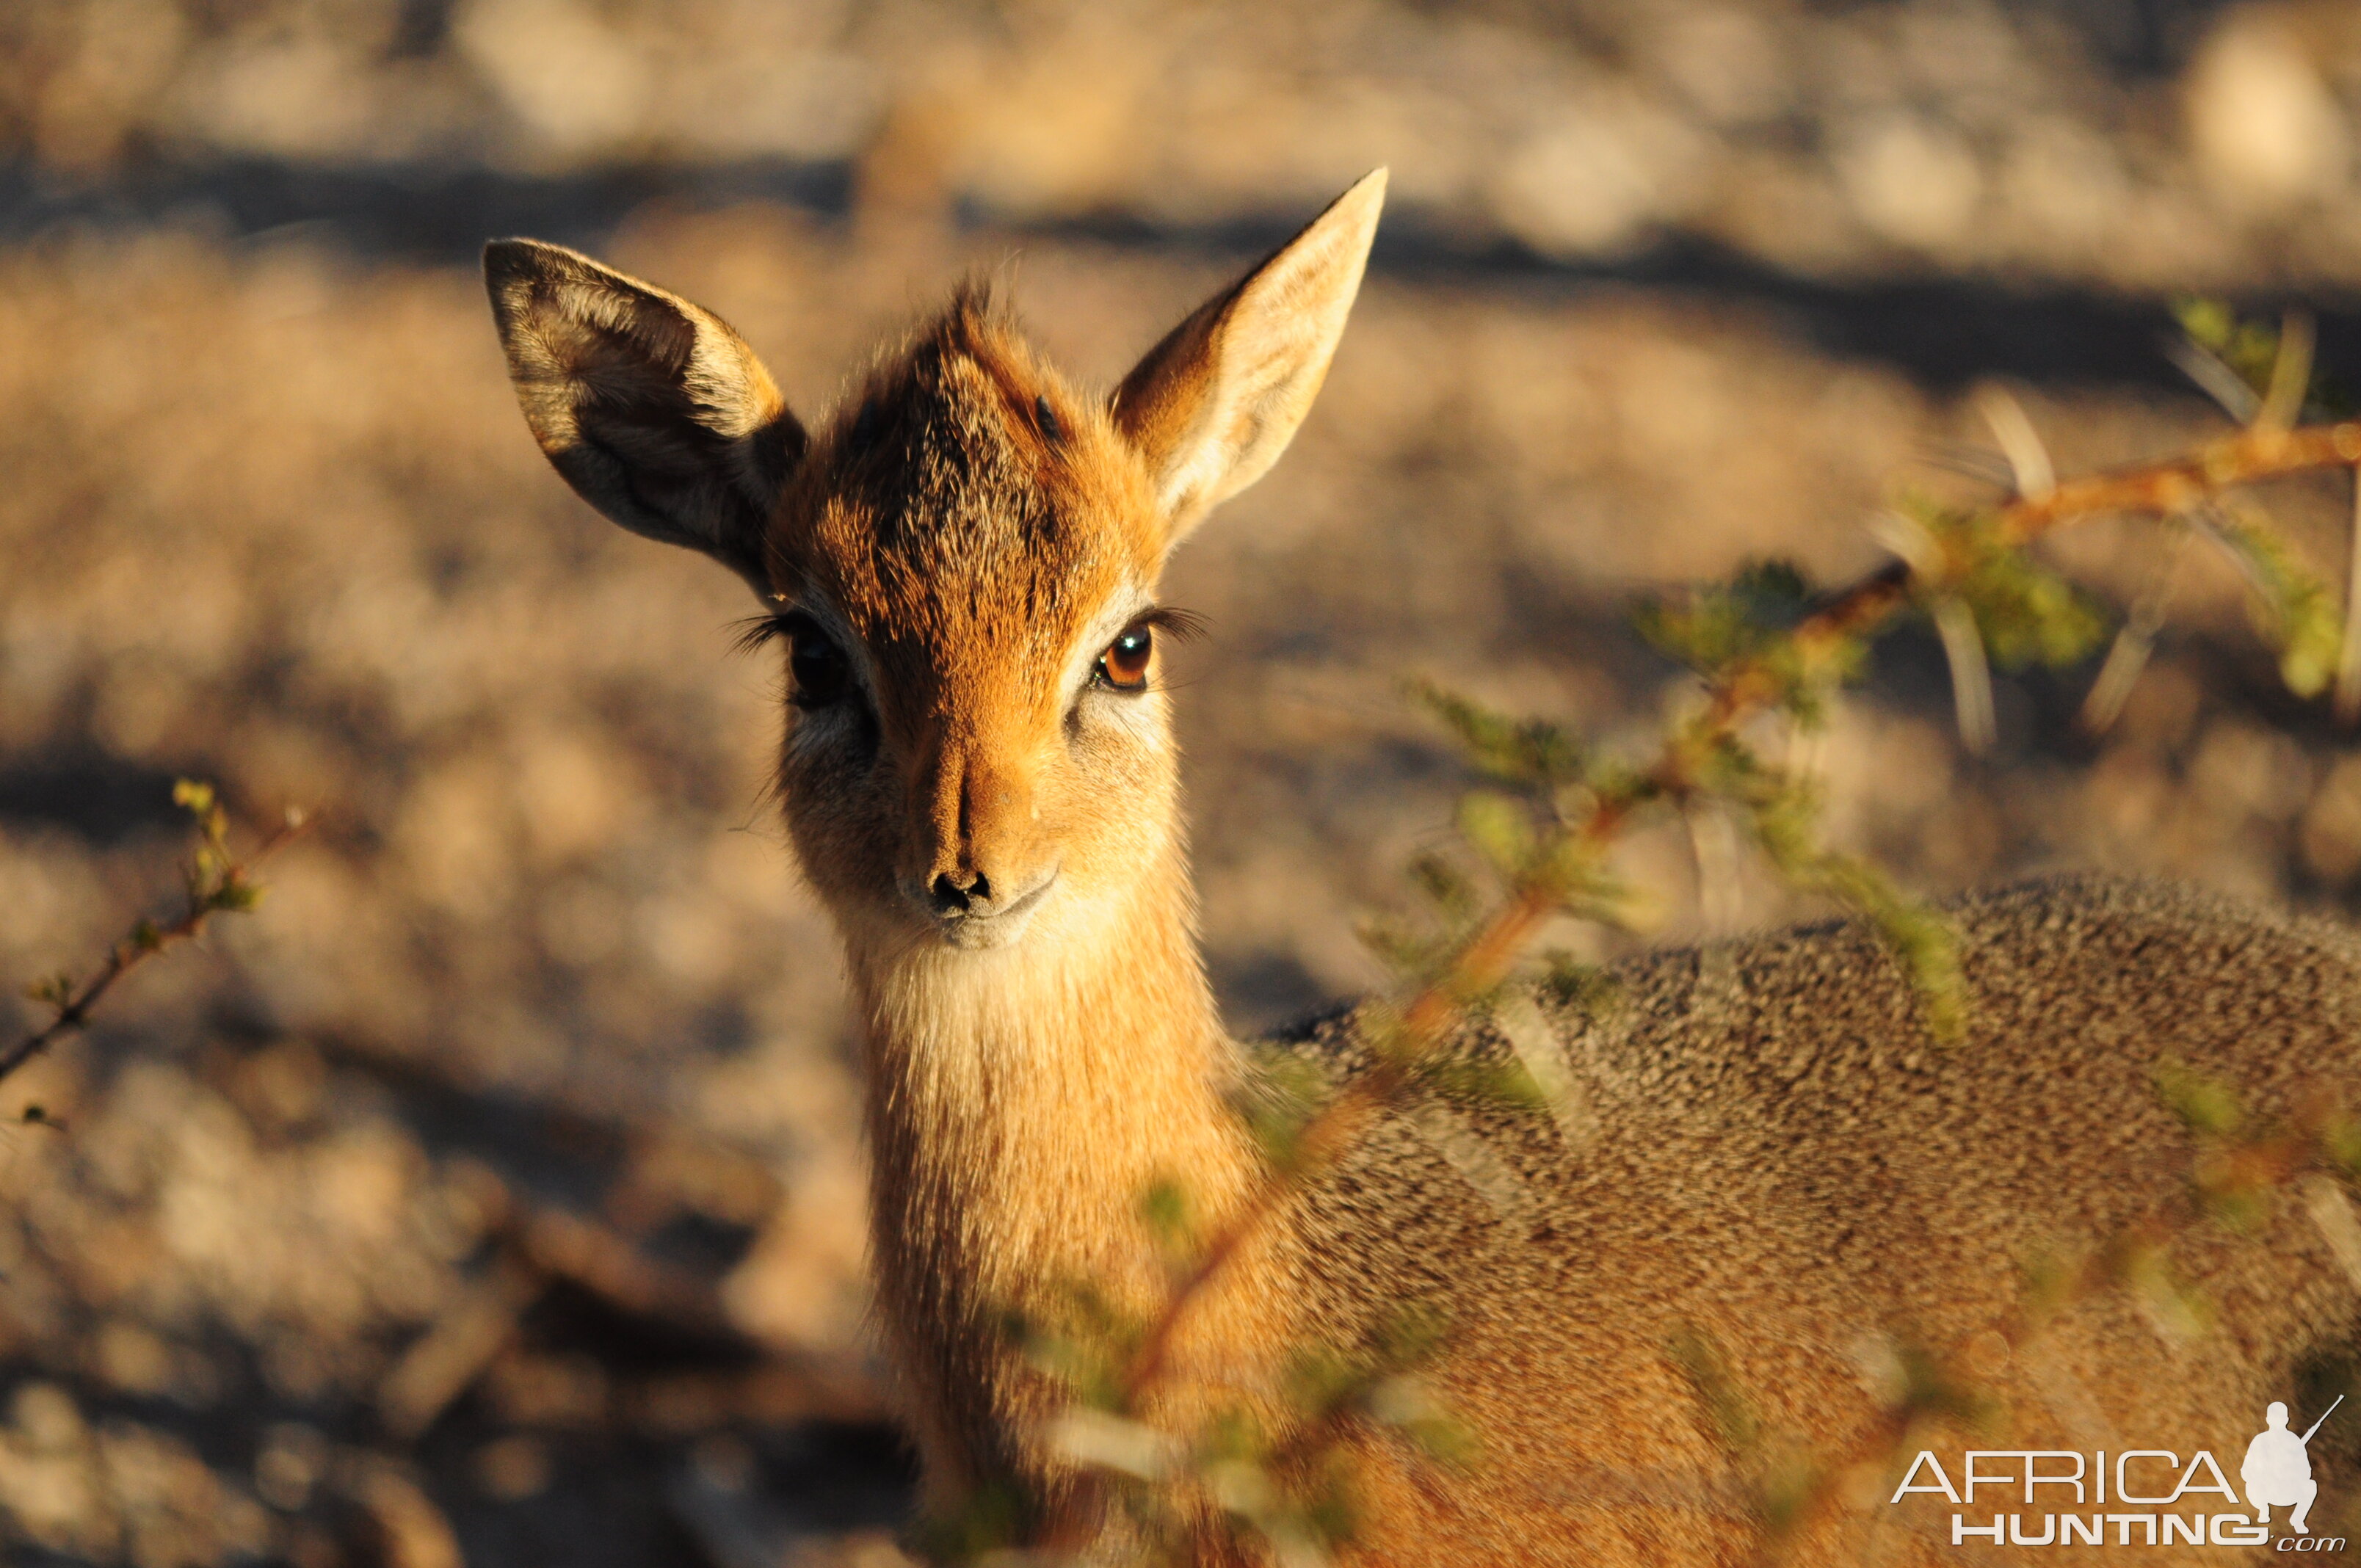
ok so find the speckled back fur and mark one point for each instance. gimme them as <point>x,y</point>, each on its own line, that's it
<point>1782,1165</point>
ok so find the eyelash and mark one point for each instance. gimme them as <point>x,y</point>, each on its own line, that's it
<point>759,632</point>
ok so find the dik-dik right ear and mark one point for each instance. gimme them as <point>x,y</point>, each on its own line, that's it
<point>1213,405</point>
<point>653,411</point>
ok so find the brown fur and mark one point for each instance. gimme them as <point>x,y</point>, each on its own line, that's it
<point>1768,1157</point>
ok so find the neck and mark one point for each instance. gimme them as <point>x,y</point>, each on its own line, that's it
<point>1022,1103</point>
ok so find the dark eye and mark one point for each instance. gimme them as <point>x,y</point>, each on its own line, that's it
<point>821,672</point>
<point>1124,667</point>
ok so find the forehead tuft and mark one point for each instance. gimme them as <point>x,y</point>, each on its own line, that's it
<point>967,492</point>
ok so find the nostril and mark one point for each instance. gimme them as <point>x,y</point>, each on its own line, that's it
<point>959,892</point>
<point>954,895</point>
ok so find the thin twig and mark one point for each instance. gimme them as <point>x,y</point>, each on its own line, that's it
<point>145,942</point>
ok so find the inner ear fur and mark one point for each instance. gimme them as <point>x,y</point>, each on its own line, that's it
<point>653,410</point>
<point>1211,407</point>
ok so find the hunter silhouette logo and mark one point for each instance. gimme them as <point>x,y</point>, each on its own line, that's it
<point>2138,1496</point>
<point>2278,1471</point>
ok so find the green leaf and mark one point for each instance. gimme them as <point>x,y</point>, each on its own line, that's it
<point>1525,752</point>
<point>1500,829</point>
<point>1450,891</point>
<point>2027,613</point>
<point>1713,627</point>
<point>2203,1104</point>
<point>1408,952</point>
<point>1574,985</point>
<point>53,991</point>
<point>2296,610</point>
<point>2250,348</point>
<point>1747,624</point>
<point>1280,1094</point>
<point>1785,817</point>
<point>1164,1209</point>
<point>236,895</point>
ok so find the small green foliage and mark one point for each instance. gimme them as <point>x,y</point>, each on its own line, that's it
<point>1494,1084</point>
<point>1711,628</point>
<point>2028,614</point>
<point>1785,817</point>
<point>1570,869</point>
<point>1528,752</point>
<point>1407,950</point>
<point>2145,1268</point>
<point>2248,348</point>
<point>2294,607</point>
<point>1445,887</point>
<point>1501,829</point>
<point>1291,1494</point>
<point>1164,1209</point>
<point>1576,986</point>
<point>1747,623</point>
<point>2047,1285</point>
<point>1281,1093</point>
<point>2340,1142</point>
<point>2204,1105</point>
<point>214,881</point>
<point>1700,1360</point>
<point>1929,1392</point>
<point>1416,948</point>
<point>53,991</point>
<point>1780,1475</point>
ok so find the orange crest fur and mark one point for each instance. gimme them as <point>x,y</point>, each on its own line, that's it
<point>1763,1157</point>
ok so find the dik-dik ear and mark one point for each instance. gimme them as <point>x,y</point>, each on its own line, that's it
<point>654,410</point>
<point>1213,405</point>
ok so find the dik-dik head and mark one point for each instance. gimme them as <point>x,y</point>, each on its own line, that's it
<point>962,558</point>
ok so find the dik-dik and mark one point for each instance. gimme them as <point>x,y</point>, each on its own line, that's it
<point>1772,1159</point>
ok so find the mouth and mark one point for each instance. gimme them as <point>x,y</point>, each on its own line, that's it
<point>998,928</point>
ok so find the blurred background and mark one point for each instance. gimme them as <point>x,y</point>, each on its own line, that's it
<point>493,1194</point>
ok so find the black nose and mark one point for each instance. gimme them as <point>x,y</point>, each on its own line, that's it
<point>957,894</point>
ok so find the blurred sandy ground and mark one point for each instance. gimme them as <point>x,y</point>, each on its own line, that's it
<point>494,1192</point>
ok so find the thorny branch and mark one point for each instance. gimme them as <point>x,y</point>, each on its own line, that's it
<point>214,881</point>
<point>1862,608</point>
<point>1817,649</point>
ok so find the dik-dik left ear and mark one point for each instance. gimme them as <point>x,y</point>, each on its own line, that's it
<point>1213,405</point>
<point>654,410</point>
